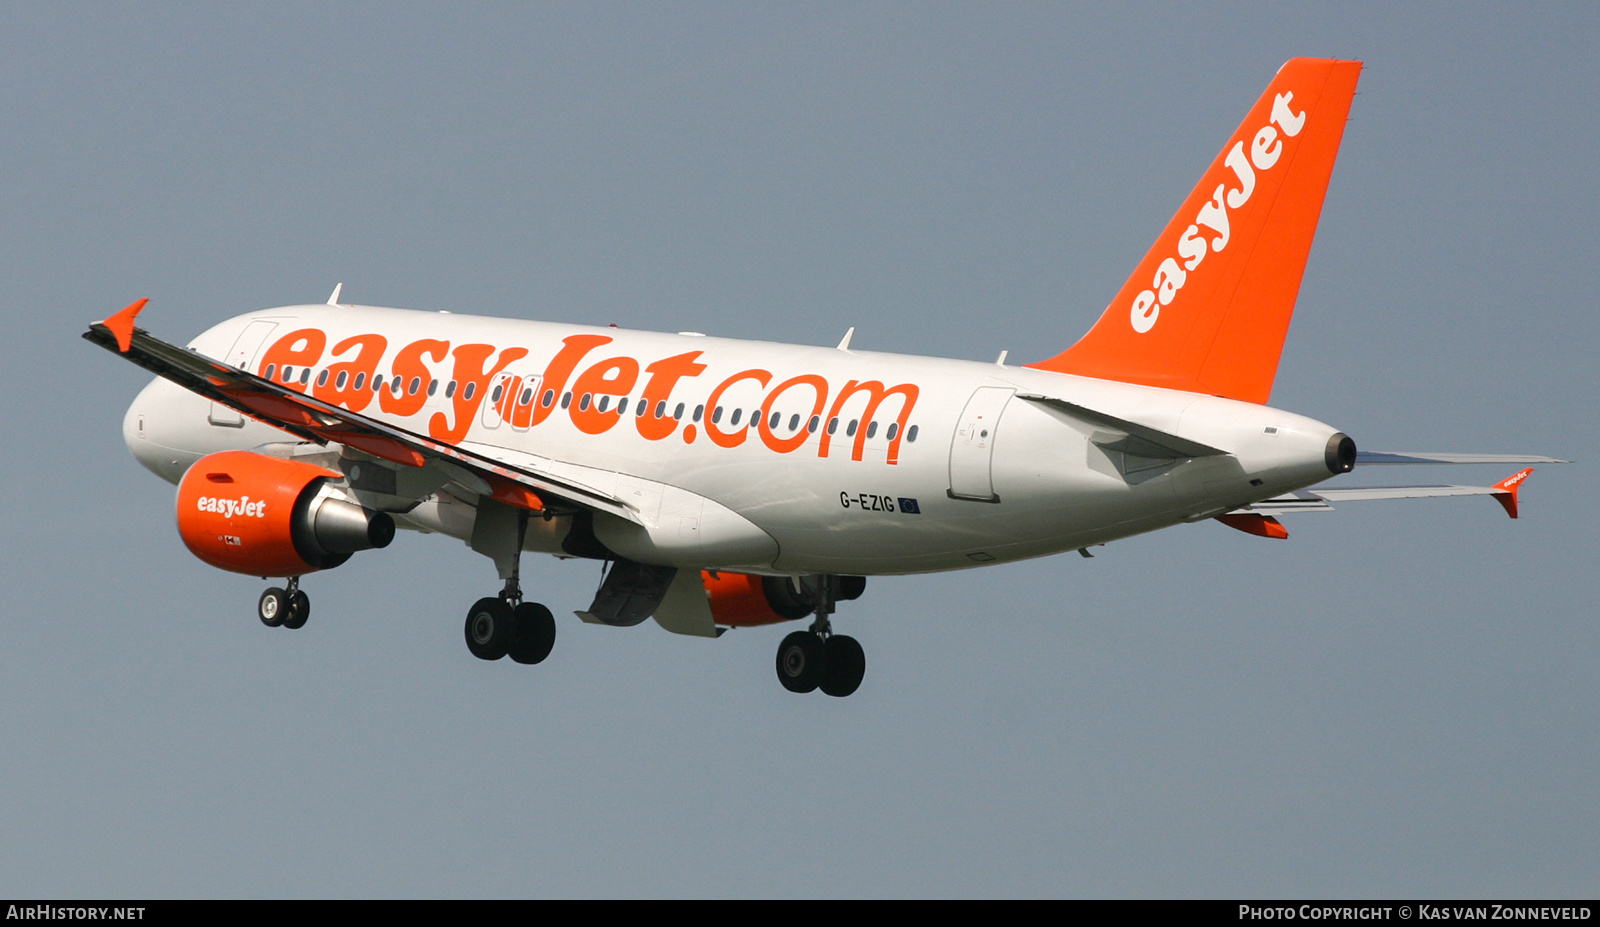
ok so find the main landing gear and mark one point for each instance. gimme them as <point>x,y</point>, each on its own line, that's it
<point>819,659</point>
<point>287,608</point>
<point>505,625</point>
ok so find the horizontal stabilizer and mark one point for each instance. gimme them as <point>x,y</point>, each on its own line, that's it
<point>1364,458</point>
<point>1151,442</point>
<point>1320,500</point>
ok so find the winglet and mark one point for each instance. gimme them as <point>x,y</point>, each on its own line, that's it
<point>334,299</point>
<point>1505,491</point>
<point>1263,525</point>
<point>121,324</point>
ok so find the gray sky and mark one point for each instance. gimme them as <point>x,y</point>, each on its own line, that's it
<point>1399,700</point>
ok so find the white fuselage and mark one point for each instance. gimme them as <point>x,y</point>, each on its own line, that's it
<point>989,476</point>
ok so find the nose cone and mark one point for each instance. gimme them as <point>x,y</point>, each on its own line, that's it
<point>141,432</point>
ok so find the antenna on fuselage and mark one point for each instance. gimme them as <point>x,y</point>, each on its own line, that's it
<point>844,343</point>
<point>334,299</point>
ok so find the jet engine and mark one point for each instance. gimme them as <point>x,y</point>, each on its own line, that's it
<point>741,600</point>
<point>266,516</point>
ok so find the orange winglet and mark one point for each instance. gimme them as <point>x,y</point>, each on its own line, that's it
<point>1506,490</point>
<point>514,494</point>
<point>1262,525</point>
<point>121,324</point>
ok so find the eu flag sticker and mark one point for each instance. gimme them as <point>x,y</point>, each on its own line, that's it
<point>909,506</point>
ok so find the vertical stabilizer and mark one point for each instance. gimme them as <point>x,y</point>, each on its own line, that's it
<point>1208,308</point>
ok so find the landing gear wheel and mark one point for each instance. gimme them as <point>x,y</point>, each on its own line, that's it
<point>273,607</point>
<point>536,633</point>
<point>491,627</point>
<point>847,665</point>
<point>802,662</point>
<point>299,610</point>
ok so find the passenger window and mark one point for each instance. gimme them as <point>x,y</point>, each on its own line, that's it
<point>416,384</point>
<point>566,400</point>
<point>361,380</point>
<point>495,395</point>
<point>893,427</point>
<point>450,389</point>
<point>583,404</point>
<point>322,379</point>
<point>772,423</point>
<point>466,394</point>
<point>433,387</point>
<point>549,397</point>
<point>872,430</point>
<point>911,434</point>
<point>737,414</point>
<point>527,396</point>
<point>288,373</point>
<point>305,376</point>
<point>811,426</point>
<point>604,401</point>
<point>850,431</point>
<point>661,408</point>
<point>677,414</point>
<point>698,411</point>
<point>343,376</point>
<point>271,369</point>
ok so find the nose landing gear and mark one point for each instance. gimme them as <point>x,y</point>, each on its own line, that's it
<point>817,658</point>
<point>288,608</point>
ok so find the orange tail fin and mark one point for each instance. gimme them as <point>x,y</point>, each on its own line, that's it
<point>1209,306</point>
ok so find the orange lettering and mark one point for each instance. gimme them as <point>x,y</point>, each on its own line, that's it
<point>876,395</point>
<point>301,348</point>
<point>735,437</point>
<point>664,375</point>
<point>340,387</point>
<point>472,382</point>
<point>408,366</point>
<point>573,349</point>
<point>785,445</point>
<point>614,376</point>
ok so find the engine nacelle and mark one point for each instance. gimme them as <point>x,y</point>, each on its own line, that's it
<point>741,600</point>
<point>265,516</point>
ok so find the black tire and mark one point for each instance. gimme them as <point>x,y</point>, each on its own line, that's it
<point>490,629</point>
<point>273,607</point>
<point>299,610</point>
<point>851,587</point>
<point>536,633</point>
<point>847,666</point>
<point>802,662</point>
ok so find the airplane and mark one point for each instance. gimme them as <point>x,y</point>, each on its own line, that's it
<point>729,483</point>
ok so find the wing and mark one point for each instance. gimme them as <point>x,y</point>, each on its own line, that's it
<point>520,482</point>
